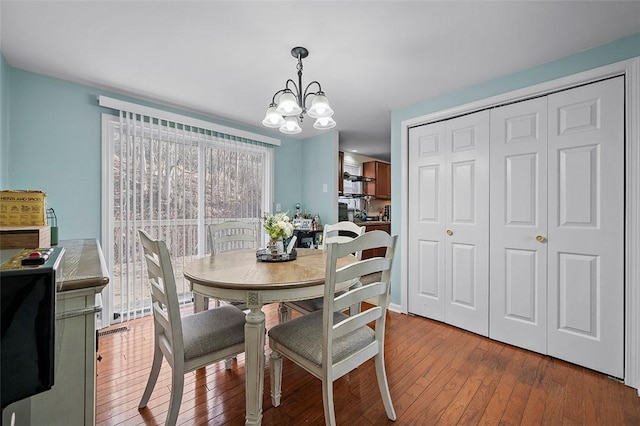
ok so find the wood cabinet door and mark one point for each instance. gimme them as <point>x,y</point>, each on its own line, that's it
<point>383,180</point>
<point>369,170</point>
<point>381,172</point>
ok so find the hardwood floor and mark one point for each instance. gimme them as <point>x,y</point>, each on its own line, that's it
<point>437,374</point>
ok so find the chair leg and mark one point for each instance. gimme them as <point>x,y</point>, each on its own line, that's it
<point>227,363</point>
<point>177,387</point>
<point>276,378</point>
<point>327,402</point>
<point>153,377</point>
<point>284,314</point>
<point>383,385</point>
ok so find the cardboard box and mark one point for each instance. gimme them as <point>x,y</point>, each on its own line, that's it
<point>22,208</point>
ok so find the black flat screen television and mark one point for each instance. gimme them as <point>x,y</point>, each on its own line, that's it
<point>27,351</point>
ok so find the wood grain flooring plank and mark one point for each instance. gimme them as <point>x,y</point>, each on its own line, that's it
<point>437,374</point>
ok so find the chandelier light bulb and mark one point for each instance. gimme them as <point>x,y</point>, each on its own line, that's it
<point>288,104</point>
<point>272,118</point>
<point>291,126</point>
<point>324,123</point>
<point>320,107</point>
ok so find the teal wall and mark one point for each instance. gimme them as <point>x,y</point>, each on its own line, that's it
<point>318,172</point>
<point>288,169</point>
<point>619,50</point>
<point>54,144</point>
<point>4,122</point>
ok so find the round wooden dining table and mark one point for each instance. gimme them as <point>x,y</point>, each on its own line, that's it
<point>237,275</point>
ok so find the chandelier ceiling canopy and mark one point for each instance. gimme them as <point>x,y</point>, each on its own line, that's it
<point>291,106</point>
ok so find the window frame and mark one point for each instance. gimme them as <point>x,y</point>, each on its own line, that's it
<point>110,126</point>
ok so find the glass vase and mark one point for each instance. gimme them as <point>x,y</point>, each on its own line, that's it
<point>276,246</point>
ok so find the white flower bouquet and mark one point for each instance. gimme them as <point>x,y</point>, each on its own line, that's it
<point>277,225</point>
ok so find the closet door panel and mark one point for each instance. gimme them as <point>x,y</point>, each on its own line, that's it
<point>586,226</point>
<point>518,265</point>
<point>467,217</point>
<point>427,155</point>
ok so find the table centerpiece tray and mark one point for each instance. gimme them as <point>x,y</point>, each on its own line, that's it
<point>265,255</point>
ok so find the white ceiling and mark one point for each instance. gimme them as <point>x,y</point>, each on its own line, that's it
<point>227,59</point>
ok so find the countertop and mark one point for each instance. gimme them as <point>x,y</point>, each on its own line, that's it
<point>372,222</point>
<point>83,265</point>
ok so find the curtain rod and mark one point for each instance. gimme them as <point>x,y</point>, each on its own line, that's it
<point>120,105</point>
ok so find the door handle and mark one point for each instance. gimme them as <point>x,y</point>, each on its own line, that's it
<point>449,232</point>
<point>541,238</point>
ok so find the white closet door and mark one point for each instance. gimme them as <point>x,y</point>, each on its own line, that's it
<point>448,221</point>
<point>586,226</point>
<point>467,219</point>
<point>518,268</point>
<point>427,161</point>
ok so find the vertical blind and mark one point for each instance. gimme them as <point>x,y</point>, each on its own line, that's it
<point>173,179</point>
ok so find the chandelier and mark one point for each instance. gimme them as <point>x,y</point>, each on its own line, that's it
<point>292,103</point>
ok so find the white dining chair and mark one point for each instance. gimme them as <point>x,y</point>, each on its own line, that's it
<point>229,235</point>
<point>330,233</point>
<point>187,343</point>
<point>329,343</point>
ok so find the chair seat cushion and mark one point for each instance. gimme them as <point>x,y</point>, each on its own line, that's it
<point>312,305</point>
<point>303,335</point>
<point>309,305</point>
<point>212,330</point>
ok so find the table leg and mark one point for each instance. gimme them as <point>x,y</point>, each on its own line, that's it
<point>254,330</point>
<point>200,303</point>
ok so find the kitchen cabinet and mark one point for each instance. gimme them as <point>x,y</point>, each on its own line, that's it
<point>380,188</point>
<point>375,226</point>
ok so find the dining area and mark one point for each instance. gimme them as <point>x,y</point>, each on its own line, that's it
<point>433,372</point>
<point>329,342</point>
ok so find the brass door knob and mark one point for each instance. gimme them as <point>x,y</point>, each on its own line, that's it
<point>449,232</point>
<point>540,238</point>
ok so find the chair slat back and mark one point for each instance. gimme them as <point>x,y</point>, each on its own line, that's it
<point>366,292</point>
<point>164,297</point>
<point>379,290</point>
<point>231,235</point>
<point>331,233</point>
